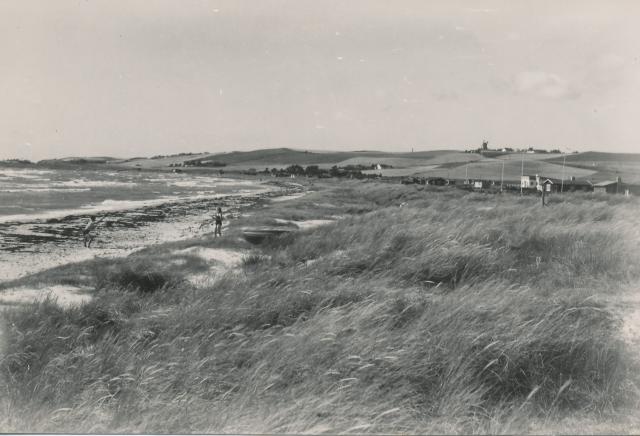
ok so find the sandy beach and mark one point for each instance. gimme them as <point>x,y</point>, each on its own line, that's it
<point>42,245</point>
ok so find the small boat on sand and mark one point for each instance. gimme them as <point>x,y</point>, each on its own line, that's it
<point>257,235</point>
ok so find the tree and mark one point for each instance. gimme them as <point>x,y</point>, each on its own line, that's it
<point>312,170</point>
<point>295,169</point>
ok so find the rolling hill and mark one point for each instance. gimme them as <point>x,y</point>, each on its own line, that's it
<point>594,166</point>
<point>150,163</point>
<point>596,156</point>
<point>491,169</point>
<point>607,166</point>
<point>283,157</point>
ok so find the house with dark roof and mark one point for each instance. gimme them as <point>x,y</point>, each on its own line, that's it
<point>609,186</point>
<point>573,185</point>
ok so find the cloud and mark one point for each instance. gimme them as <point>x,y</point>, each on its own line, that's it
<point>445,95</point>
<point>610,61</point>
<point>483,11</point>
<point>544,84</point>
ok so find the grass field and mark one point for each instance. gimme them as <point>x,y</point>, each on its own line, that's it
<point>491,169</point>
<point>420,310</point>
<point>529,156</point>
<point>396,162</point>
<point>596,156</point>
<point>607,166</point>
<point>148,163</point>
<point>402,172</point>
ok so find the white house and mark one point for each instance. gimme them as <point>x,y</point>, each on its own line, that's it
<point>527,182</point>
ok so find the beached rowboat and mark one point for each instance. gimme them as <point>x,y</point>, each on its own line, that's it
<point>257,235</point>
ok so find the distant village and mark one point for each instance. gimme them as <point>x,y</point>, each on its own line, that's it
<point>485,150</point>
<point>531,184</point>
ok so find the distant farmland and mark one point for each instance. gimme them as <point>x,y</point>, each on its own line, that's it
<point>593,166</point>
<point>529,156</point>
<point>401,172</point>
<point>491,169</point>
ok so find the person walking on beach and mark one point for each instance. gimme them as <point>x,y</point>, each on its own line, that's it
<point>218,220</point>
<point>91,225</point>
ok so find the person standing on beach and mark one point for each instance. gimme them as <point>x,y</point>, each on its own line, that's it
<point>91,225</point>
<point>218,220</point>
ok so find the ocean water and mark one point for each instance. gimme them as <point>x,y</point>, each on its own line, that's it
<point>43,212</point>
<point>28,195</point>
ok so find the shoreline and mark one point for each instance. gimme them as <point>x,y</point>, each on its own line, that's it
<point>29,248</point>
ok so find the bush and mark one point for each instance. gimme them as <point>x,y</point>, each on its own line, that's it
<point>135,275</point>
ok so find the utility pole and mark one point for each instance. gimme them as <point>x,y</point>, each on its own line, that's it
<point>502,176</point>
<point>521,172</point>
<point>564,160</point>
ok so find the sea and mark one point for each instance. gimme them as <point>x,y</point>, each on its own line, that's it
<point>28,195</point>
<point>43,211</point>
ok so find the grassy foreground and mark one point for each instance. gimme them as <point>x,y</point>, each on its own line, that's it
<point>421,310</point>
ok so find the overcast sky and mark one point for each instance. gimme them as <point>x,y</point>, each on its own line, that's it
<point>126,78</point>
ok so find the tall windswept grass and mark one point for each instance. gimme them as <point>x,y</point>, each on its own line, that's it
<point>457,312</point>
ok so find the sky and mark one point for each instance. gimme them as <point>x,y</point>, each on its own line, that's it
<point>138,77</point>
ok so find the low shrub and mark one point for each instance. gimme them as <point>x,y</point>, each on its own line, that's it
<point>137,275</point>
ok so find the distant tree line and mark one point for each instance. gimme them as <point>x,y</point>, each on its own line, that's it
<point>162,156</point>
<point>199,163</point>
<point>17,161</point>
<point>350,171</point>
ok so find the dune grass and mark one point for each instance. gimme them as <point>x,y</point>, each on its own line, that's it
<point>421,310</point>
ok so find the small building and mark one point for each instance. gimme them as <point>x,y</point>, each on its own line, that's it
<point>609,187</point>
<point>574,185</point>
<point>529,182</point>
<point>548,185</point>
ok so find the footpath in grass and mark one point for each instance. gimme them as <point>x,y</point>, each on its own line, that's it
<point>411,309</point>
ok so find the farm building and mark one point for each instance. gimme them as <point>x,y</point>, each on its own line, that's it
<point>529,182</point>
<point>609,186</point>
<point>576,186</point>
<point>546,185</point>
<point>550,185</point>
